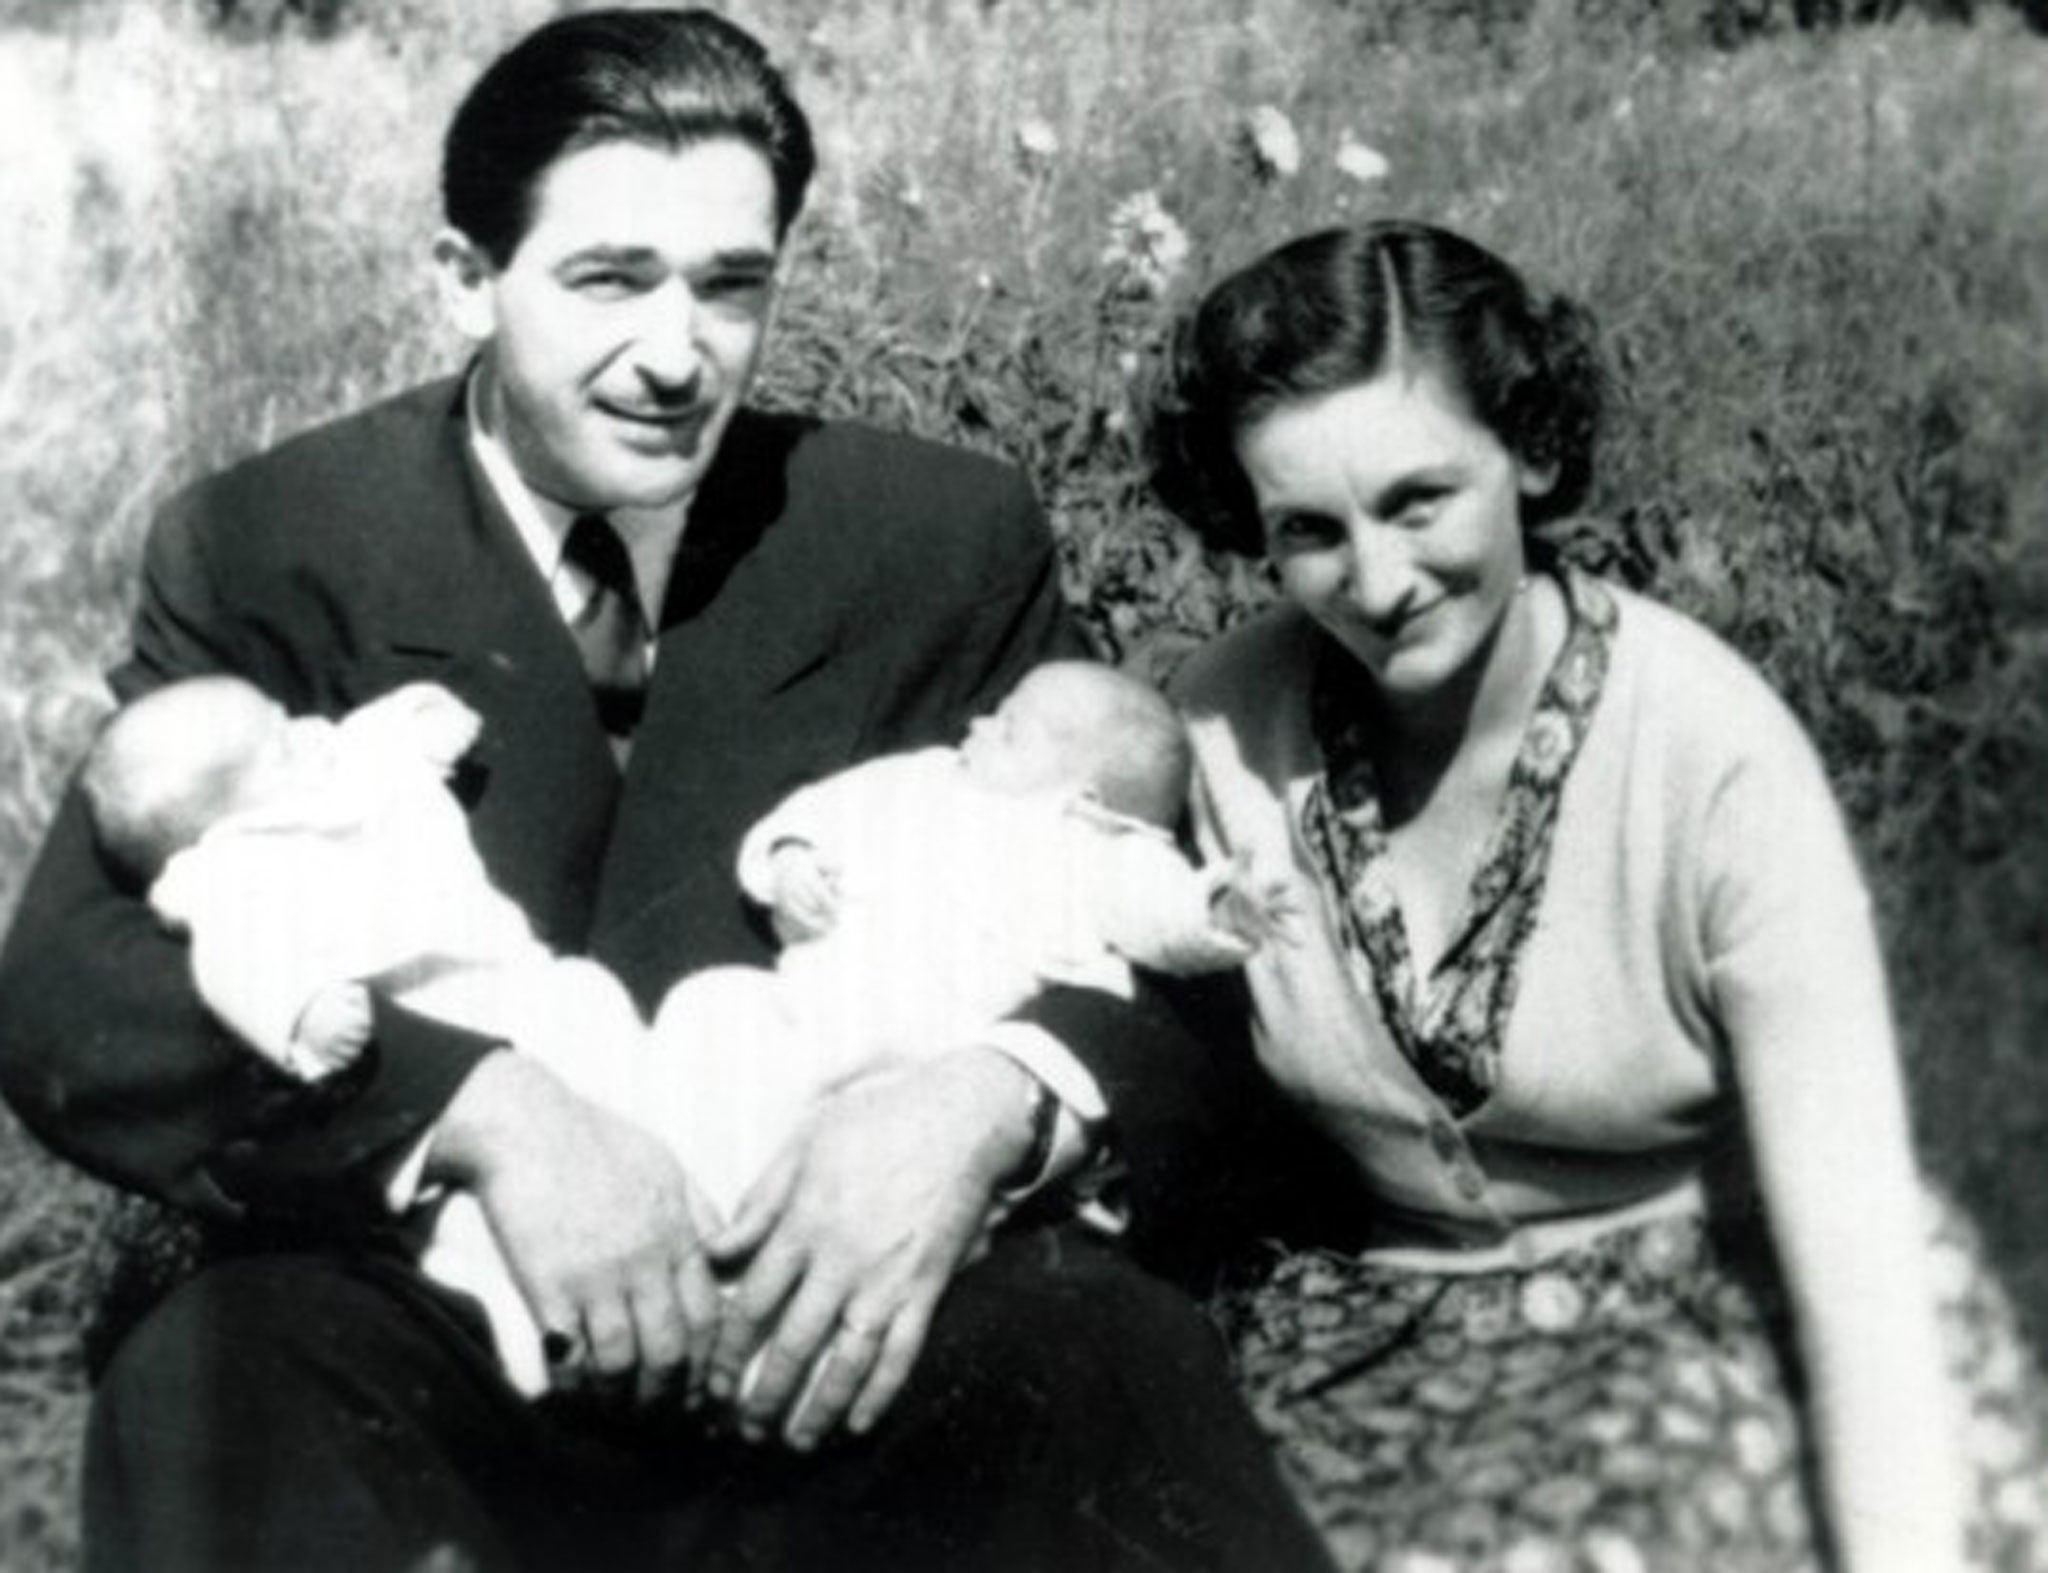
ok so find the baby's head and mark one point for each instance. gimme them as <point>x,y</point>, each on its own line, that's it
<point>178,760</point>
<point>1089,728</point>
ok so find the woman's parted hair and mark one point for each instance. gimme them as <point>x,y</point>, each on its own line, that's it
<point>667,78</point>
<point>1333,309</point>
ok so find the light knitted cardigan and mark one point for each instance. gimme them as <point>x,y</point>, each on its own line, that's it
<point>1701,892</point>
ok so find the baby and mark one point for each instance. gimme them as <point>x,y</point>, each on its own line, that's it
<point>920,898</point>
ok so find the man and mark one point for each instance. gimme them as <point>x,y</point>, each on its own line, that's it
<point>669,610</point>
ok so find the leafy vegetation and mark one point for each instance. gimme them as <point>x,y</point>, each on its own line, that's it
<point>1819,259</point>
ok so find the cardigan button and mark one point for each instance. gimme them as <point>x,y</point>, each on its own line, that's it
<point>1444,1140</point>
<point>1470,1182</point>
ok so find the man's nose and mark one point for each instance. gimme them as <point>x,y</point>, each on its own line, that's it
<point>668,351</point>
<point>1380,576</point>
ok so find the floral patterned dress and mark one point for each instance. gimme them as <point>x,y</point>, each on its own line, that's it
<point>1632,1404</point>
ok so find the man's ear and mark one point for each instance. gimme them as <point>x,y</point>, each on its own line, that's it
<point>463,276</point>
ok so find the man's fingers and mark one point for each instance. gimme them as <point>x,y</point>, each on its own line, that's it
<point>779,1369</point>
<point>747,1312</point>
<point>697,1296</point>
<point>608,1333</point>
<point>897,1358</point>
<point>659,1332</point>
<point>562,1346</point>
<point>758,1212</point>
<point>837,1376</point>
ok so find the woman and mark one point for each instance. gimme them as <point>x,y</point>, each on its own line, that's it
<point>1586,984</point>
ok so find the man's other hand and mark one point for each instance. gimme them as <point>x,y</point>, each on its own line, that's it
<point>601,1227</point>
<point>844,1247</point>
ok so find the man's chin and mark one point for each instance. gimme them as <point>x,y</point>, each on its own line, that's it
<point>636,480</point>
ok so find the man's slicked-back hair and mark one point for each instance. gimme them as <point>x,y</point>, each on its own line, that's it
<point>1335,309</point>
<point>665,78</point>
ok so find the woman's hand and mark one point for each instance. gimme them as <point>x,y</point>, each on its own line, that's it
<point>1254,908</point>
<point>846,1244</point>
<point>602,1229</point>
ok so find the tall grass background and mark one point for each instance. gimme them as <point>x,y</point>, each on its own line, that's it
<point>1822,260</point>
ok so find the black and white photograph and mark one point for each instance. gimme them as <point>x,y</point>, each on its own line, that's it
<point>1024,786</point>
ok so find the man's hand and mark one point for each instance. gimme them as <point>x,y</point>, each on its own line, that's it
<point>601,1227</point>
<point>803,892</point>
<point>850,1238</point>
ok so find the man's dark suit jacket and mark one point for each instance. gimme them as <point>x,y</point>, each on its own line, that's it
<point>839,593</point>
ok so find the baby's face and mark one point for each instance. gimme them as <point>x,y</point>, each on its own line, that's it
<point>282,757</point>
<point>1033,742</point>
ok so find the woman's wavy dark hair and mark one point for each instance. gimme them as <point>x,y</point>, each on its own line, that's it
<point>1330,310</point>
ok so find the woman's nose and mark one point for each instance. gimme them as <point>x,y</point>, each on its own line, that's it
<point>1380,579</point>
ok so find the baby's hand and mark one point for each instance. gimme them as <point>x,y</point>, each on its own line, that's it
<point>333,1031</point>
<point>803,891</point>
<point>422,720</point>
<point>1254,910</point>
<point>445,726</point>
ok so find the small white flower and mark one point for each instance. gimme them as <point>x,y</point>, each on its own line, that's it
<point>1037,145</point>
<point>1358,161</point>
<point>1416,1560</point>
<point>1537,1554</point>
<point>1760,1448</point>
<point>2020,1503</point>
<point>1994,1441</point>
<point>1552,1303</point>
<point>1270,144</point>
<point>1147,246</point>
<point>1610,1551</point>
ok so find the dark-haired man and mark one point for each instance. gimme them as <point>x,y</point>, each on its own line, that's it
<point>669,611</point>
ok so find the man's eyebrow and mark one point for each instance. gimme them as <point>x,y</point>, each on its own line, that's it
<point>621,256</point>
<point>738,259</point>
<point>742,259</point>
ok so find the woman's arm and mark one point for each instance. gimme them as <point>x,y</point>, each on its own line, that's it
<point>1799,985</point>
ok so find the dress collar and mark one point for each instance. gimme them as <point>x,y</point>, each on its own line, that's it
<point>1451,1025</point>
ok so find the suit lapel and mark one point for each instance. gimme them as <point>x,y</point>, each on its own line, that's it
<point>459,601</point>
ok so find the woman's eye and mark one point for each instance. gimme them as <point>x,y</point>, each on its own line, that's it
<point>1303,531</point>
<point>1415,511</point>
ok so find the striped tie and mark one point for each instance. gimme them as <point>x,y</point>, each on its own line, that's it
<point>610,631</point>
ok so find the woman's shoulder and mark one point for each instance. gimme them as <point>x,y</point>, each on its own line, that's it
<point>1686,681</point>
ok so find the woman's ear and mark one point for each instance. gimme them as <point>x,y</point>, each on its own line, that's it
<point>1535,480</point>
<point>465,279</point>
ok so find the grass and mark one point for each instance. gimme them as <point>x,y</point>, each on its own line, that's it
<point>1820,261</point>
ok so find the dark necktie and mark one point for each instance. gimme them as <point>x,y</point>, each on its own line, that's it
<point>609,631</point>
